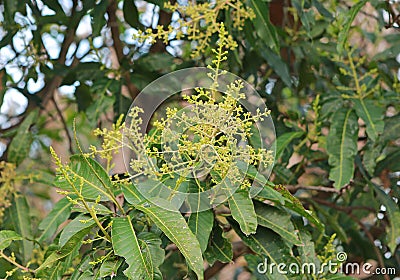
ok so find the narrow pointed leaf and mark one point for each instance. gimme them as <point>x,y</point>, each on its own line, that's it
<point>54,219</point>
<point>284,140</point>
<point>20,146</point>
<point>126,244</point>
<point>342,146</point>
<point>219,248</point>
<point>372,115</point>
<point>200,223</point>
<point>78,224</point>
<point>278,220</point>
<point>65,250</point>
<point>8,236</point>
<point>88,177</point>
<point>243,212</point>
<point>21,221</point>
<point>176,229</point>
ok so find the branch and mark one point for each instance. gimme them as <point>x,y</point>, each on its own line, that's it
<point>10,260</point>
<point>113,24</point>
<point>294,188</point>
<point>64,123</point>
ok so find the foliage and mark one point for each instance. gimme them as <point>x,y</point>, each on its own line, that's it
<point>327,71</point>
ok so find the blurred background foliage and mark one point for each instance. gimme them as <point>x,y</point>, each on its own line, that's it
<point>328,70</point>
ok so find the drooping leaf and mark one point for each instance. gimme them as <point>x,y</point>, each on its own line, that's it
<point>8,236</point>
<point>88,177</point>
<point>219,248</point>
<point>54,219</point>
<point>98,20</point>
<point>131,13</point>
<point>344,32</point>
<point>284,140</point>
<point>175,228</point>
<point>126,244</point>
<point>110,268</point>
<point>392,128</point>
<point>150,244</point>
<point>67,249</point>
<point>264,28</point>
<point>243,212</point>
<point>372,115</point>
<point>307,252</point>
<point>200,223</point>
<point>342,146</point>
<point>278,220</point>
<point>267,244</point>
<point>131,194</point>
<point>21,222</point>
<point>80,223</point>
<point>20,146</point>
<point>279,66</point>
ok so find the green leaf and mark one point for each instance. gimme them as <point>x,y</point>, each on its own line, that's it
<point>126,244</point>
<point>132,195</point>
<point>243,212</point>
<point>131,13</point>
<point>344,31</point>
<point>74,227</point>
<point>54,219</point>
<point>67,249</point>
<point>284,140</point>
<point>276,63</point>
<point>372,115</point>
<point>201,223</point>
<point>21,222</point>
<point>110,268</point>
<point>88,177</point>
<point>175,228</point>
<point>278,220</point>
<point>392,128</point>
<point>266,243</point>
<point>20,146</point>
<point>150,244</point>
<point>307,252</point>
<point>219,248</point>
<point>263,25</point>
<point>342,146</point>
<point>8,236</point>
<point>98,19</point>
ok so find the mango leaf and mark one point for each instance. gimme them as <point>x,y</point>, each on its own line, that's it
<point>284,140</point>
<point>264,28</point>
<point>80,223</point>
<point>68,248</point>
<point>276,63</point>
<point>219,248</point>
<point>131,13</point>
<point>110,268</point>
<point>256,266</point>
<point>21,222</point>
<point>372,115</point>
<point>307,252</point>
<point>372,152</point>
<point>342,146</point>
<point>88,177</point>
<point>344,32</point>
<point>243,212</point>
<point>54,219</point>
<point>201,223</point>
<point>152,251</point>
<point>8,236</point>
<point>126,244</point>
<point>295,205</point>
<point>98,20</point>
<point>392,128</point>
<point>20,146</point>
<point>131,194</point>
<point>175,228</point>
<point>278,220</point>
<point>267,244</point>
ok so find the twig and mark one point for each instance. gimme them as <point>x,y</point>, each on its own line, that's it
<point>294,188</point>
<point>346,209</point>
<point>64,123</point>
<point>10,260</point>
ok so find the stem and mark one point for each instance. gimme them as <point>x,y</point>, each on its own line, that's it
<point>10,260</point>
